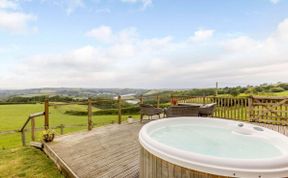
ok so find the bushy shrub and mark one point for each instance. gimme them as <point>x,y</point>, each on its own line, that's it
<point>130,110</point>
<point>277,89</point>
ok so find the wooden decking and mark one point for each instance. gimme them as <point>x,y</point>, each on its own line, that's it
<point>108,151</point>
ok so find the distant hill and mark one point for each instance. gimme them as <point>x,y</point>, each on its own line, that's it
<point>277,89</point>
<point>70,92</point>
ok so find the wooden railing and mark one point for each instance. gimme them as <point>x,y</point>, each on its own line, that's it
<point>272,110</point>
<point>31,118</point>
<point>23,130</point>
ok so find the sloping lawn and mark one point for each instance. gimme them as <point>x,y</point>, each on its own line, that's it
<point>17,161</point>
<point>26,162</point>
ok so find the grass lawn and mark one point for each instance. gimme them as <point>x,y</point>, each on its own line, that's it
<point>26,162</point>
<point>18,161</point>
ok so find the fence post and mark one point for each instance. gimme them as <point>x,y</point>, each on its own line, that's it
<point>90,114</point>
<point>141,99</point>
<point>216,89</point>
<point>119,110</point>
<point>32,129</point>
<point>173,101</point>
<point>158,101</point>
<point>23,137</point>
<point>46,116</point>
<point>61,129</point>
<point>204,99</point>
<point>250,108</point>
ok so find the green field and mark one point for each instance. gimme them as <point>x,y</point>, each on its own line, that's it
<point>18,161</point>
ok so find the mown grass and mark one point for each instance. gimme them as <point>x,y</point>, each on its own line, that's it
<point>26,162</point>
<point>12,117</point>
<point>18,161</point>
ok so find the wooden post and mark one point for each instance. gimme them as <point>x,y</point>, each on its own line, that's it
<point>216,90</point>
<point>141,99</point>
<point>23,137</point>
<point>204,99</point>
<point>61,129</point>
<point>32,129</point>
<point>90,125</point>
<point>158,101</point>
<point>250,109</point>
<point>119,110</point>
<point>46,112</point>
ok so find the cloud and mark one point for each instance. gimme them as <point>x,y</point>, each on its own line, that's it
<point>102,34</point>
<point>8,4</point>
<point>241,43</point>
<point>16,22</point>
<point>71,5</point>
<point>131,61</point>
<point>201,35</point>
<point>13,20</point>
<point>274,1</point>
<point>145,3</point>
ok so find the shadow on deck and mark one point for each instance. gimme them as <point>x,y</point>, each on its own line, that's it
<point>108,151</point>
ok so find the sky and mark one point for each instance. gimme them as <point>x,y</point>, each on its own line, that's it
<point>142,43</point>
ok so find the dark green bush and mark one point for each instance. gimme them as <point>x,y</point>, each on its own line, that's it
<point>277,89</point>
<point>130,110</point>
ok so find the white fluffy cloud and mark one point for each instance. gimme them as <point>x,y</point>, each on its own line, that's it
<point>13,20</point>
<point>131,61</point>
<point>201,35</point>
<point>16,21</point>
<point>102,33</point>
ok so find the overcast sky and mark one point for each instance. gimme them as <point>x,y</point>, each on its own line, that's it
<point>142,43</point>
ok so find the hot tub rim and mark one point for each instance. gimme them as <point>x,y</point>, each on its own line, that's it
<point>204,167</point>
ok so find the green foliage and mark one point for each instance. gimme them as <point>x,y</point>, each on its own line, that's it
<point>277,89</point>
<point>37,99</point>
<point>48,135</point>
<point>284,86</point>
<point>262,89</point>
<point>108,103</point>
<point>130,110</point>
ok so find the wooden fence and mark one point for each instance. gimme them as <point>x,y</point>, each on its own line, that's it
<point>271,110</point>
<point>46,114</point>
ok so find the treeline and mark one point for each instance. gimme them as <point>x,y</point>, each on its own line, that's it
<point>37,99</point>
<point>235,91</point>
<point>165,96</point>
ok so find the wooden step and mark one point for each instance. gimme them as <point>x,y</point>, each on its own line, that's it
<point>37,144</point>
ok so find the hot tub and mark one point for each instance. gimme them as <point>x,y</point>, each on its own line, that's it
<point>208,147</point>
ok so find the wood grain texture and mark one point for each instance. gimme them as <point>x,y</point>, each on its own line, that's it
<point>108,151</point>
<point>167,170</point>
